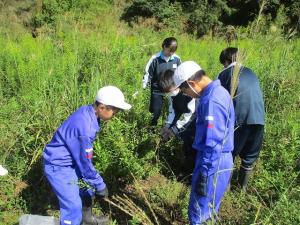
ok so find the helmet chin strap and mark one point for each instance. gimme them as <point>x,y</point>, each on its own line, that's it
<point>193,89</point>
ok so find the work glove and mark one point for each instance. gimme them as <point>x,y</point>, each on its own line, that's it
<point>201,185</point>
<point>166,133</point>
<point>164,130</point>
<point>102,193</point>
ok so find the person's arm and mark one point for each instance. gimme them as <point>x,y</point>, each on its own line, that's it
<point>182,124</point>
<point>82,151</point>
<point>171,114</point>
<point>148,74</point>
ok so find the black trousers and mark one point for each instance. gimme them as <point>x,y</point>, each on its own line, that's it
<point>188,136</point>
<point>156,104</point>
<point>247,143</point>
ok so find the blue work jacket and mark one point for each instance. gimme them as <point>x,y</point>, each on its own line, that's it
<point>72,145</point>
<point>214,127</point>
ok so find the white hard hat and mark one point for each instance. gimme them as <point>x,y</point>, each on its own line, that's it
<point>184,71</point>
<point>113,96</point>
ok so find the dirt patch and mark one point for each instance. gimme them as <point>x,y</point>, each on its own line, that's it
<point>19,187</point>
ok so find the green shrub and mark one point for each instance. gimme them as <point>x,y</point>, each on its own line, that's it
<point>163,10</point>
<point>48,11</point>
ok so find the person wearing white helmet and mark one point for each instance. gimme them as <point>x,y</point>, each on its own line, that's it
<point>68,158</point>
<point>213,139</point>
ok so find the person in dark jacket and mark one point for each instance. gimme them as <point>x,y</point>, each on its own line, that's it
<point>68,158</point>
<point>180,123</point>
<point>156,66</point>
<point>249,113</point>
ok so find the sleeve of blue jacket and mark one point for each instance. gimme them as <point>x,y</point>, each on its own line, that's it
<point>82,151</point>
<point>215,131</point>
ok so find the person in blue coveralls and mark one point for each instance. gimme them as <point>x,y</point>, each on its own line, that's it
<point>213,139</point>
<point>68,158</point>
<point>160,62</point>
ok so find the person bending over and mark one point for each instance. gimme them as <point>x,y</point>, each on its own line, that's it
<point>68,158</point>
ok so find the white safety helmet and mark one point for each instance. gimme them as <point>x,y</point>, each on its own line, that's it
<point>113,96</point>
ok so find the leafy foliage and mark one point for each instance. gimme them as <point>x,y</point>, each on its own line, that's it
<point>200,17</point>
<point>48,11</point>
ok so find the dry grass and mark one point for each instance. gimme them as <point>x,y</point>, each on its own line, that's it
<point>237,69</point>
<point>125,204</point>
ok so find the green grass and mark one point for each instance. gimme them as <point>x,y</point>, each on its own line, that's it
<point>44,79</point>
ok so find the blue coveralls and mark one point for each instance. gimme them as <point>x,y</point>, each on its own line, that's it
<point>214,144</point>
<point>68,157</point>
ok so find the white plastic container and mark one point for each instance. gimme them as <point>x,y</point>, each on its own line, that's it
<point>28,219</point>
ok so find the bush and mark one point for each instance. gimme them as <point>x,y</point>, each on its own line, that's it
<point>164,11</point>
<point>201,16</point>
<point>48,11</point>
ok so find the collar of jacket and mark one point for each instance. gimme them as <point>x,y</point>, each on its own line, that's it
<point>231,64</point>
<point>95,120</point>
<point>208,90</point>
<point>162,56</point>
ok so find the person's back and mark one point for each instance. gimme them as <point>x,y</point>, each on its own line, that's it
<point>216,95</point>
<point>78,124</point>
<point>248,99</point>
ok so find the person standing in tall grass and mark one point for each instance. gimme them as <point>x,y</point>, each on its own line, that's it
<point>157,65</point>
<point>181,123</point>
<point>68,158</point>
<point>213,140</point>
<point>249,112</point>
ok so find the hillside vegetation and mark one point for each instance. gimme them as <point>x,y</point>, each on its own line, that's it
<point>48,71</point>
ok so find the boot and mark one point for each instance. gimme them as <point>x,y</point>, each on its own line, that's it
<point>244,175</point>
<point>88,218</point>
<point>233,180</point>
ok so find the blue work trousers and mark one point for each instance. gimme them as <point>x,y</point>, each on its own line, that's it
<point>203,208</point>
<point>64,182</point>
